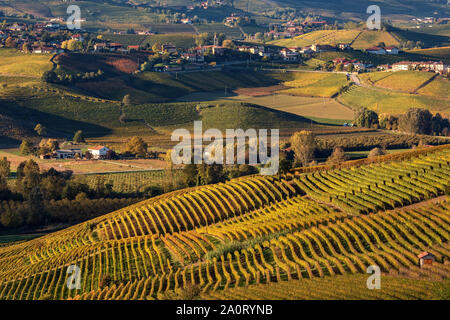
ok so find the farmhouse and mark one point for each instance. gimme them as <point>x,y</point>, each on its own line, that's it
<point>289,56</point>
<point>383,50</point>
<point>439,67</point>
<point>169,48</point>
<point>98,151</point>
<point>426,258</point>
<point>376,50</point>
<point>68,153</point>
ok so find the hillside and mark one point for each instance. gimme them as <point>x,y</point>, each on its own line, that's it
<point>326,225</point>
<point>121,13</point>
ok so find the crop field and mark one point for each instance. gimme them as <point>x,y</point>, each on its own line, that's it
<point>230,32</point>
<point>371,77</point>
<point>256,237</point>
<point>13,62</point>
<point>386,101</point>
<point>323,110</point>
<point>439,87</point>
<point>406,81</point>
<point>319,37</point>
<point>347,287</point>
<point>369,39</point>
<point>441,53</point>
<point>181,40</point>
<point>170,28</point>
<point>133,182</point>
<point>316,84</point>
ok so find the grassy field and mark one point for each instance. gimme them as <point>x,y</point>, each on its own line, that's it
<point>386,101</point>
<point>441,53</point>
<point>439,87</point>
<point>181,40</point>
<point>316,84</point>
<point>406,81</point>
<point>13,62</point>
<point>369,39</point>
<point>132,182</point>
<point>322,110</point>
<point>230,32</point>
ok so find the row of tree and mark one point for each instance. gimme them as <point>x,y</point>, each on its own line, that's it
<point>415,121</point>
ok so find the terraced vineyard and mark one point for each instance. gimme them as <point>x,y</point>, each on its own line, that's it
<point>253,237</point>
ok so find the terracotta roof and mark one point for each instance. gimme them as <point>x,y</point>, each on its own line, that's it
<point>97,148</point>
<point>424,254</point>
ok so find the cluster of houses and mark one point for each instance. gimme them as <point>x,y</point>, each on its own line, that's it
<point>358,65</point>
<point>433,66</point>
<point>291,29</point>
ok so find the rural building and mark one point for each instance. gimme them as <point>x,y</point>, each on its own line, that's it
<point>169,48</point>
<point>382,50</point>
<point>391,50</point>
<point>376,50</point>
<point>426,258</point>
<point>68,153</point>
<point>322,48</point>
<point>289,56</point>
<point>98,151</point>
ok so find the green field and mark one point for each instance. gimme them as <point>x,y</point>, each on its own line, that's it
<point>439,87</point>
<point>13,62</point>
<point>132,182</point>
<point>369,39</point>
<point>316,84</point>
<point>406,81</point>
<point>386,101</point>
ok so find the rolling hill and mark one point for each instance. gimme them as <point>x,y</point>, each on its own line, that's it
<point>259,233</point>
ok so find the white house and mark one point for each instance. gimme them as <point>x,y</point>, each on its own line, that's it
<point>391,50</point>
<point>98,151</point>
<point>376,50</point>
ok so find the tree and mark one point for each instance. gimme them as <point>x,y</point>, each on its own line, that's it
<point>303,143</point>
<point>416,120</point>
<point>49,77</point>
<point>137,146</point>
<point>72,45</point>
<point>127,100</point>
<point>40,129</point>
<point>28,177</point>
<point>88,155</point>
<point>5,171</point>
<point>376,152</point>
<point>26,48</point>
<point>190,175</point>
<point>338,156</point>
<point>10,42</point>
<point>26,148</point>
<point>79,137</point>
<point>351,67</point>
<point>157,47</point>
<point>11,218</point>
<point>366,118</point>
<point>339,67</point>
